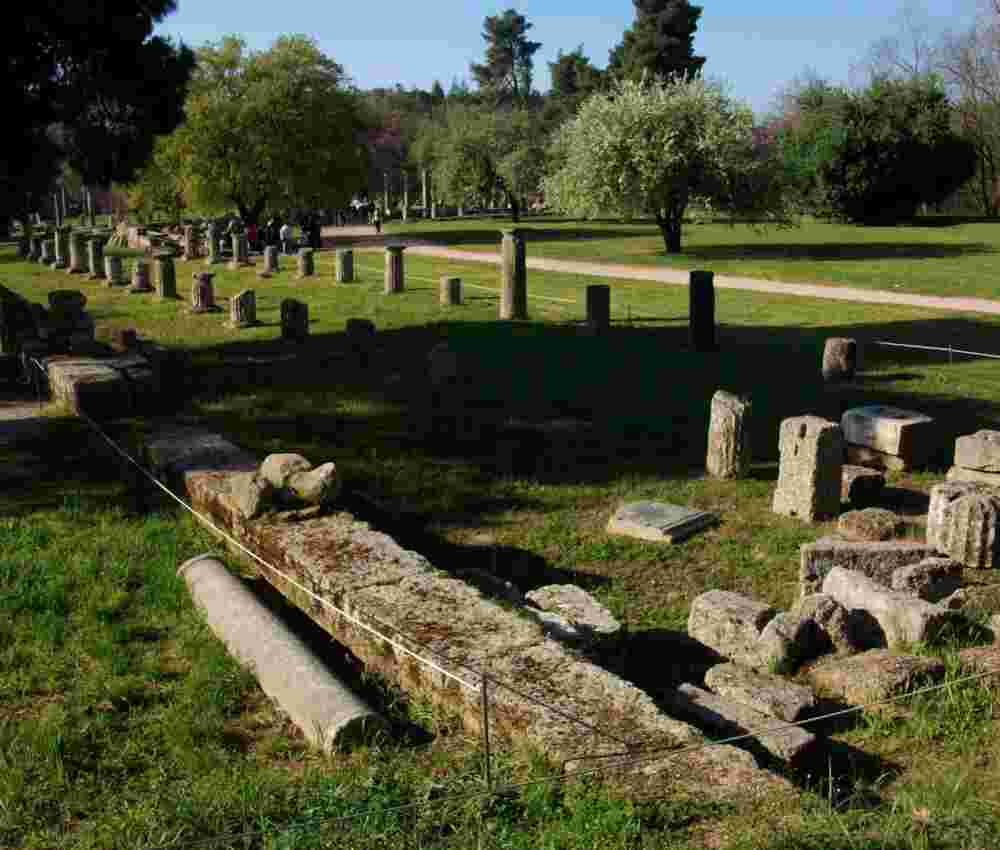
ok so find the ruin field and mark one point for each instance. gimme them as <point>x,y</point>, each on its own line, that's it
<point>124,723</point>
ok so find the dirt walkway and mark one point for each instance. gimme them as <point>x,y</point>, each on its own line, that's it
<point>364,237</point>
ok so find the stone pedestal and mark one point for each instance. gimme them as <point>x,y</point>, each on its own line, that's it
<point>166,277</point>
<point>345,265</point>
<point>840,359</point>
<point>243,309</point>
<point>203,293</point>
<point>190,243</point>
<point>272,264</point>
<point>95,257</point>
<point>48,255</point>
<point>294,320</point>
<point>212,256</point>
<point>972,534</point>
<point>77,253</point>
<point>307,266</point>
<point>241,252</point>
<point>113,270</point>
<point>599,307</point>
<point>61,249</point>
<point>393,269</point>
<point>513,276</point>
<point>889,437</point>
<point>701,310</point>
<point>728,436</point>
<point>451,291</point>
<point>140,277</point>
<point>810,468</point>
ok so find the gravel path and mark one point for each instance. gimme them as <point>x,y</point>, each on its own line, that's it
<point>364,237</point>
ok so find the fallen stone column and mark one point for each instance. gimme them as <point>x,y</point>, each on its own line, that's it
<point>877,560</point>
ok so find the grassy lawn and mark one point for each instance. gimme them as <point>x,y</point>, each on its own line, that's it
<point>124,724</point>
<point>931,259</point>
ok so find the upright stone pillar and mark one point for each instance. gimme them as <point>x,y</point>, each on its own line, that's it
<point>203,293</point>
<point>393,269</point>
<point>243,309</point>
<point>810,468</point>
<point>166,277</point>
<point>701,310</point>
<point>728,436</point>
<point>345,265</point>
<point>62,248</point>
<point>48,255</point>
<point>272,264</point>
<point>113,270</point>
<point>95,257</point>
<point>140,277</point>
<point>307,266</point>
<point>599,307</point>
<point>212,256</point>
<point>294,320</point>
<point>514,277</point>
<point>973,535</point>
<point>77,253</point>
<point>840,359</point>
<point>35,248</point>
<point>451,291</point>
<point>190,248</point>
<point>241,252</point>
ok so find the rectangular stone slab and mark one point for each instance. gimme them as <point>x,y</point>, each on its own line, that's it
<point>873,675</point>
<point>89,386</point>
<point>729,623</point>
<point>878,560</point>
<point>659,522</point>
<point>763,692</point>
<point>979,451</point>
<point>892,430</point>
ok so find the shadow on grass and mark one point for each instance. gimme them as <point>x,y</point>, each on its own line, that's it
<point>791,251</point>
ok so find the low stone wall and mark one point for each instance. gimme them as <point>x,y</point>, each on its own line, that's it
<point>551,699</point>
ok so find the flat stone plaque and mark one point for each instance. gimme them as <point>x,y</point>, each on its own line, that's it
<point>660,522</point>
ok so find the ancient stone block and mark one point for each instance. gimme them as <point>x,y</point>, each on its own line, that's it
<point>729,623</point>
<point>203,293</point>
<point>831,619</point>
<point>294,320</point>
<point>166,276</point>
<point>942,502</point>
<point>860,486</point>
<point>61,241</point>
<point>658,522</point>
<point>307,265</point>
<point>770,695</point>
<point>871,524</point>
<point>212,255</point>
<point>77,253</point>
<point>972,536</point>
<point>874,675</point>
<point>278,468</point>
<point>95,258</point>
<point>272,263</point>
<point>876,560</point>
<point>577,606</point>
<point>243,309</point>
<point>89,386</point>
<point>252,494</point>
<point>980,451</point>
<point>728,436</point>
<point>980,659</point>
<point>974,476</point>
<point>48,252</point>
<point>319,486</point>
<point>394,280</point>
<point>450,291</point>
<point>840,359</point>
<point>932,579</point>
<point>140,277</point>
<point>113,271</point>
<point>809,471</point>
<point>241,252</point>
<point>513,276</point>
<point>345,265</point>
<point>904,434</point>
<point>786,642</point>
<point>190,246</point>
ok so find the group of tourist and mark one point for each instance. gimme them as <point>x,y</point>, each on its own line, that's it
<point>277,232</point>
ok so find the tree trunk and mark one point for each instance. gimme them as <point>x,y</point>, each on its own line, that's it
<point>515,209</point>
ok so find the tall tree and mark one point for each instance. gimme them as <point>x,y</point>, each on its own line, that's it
<point>659,42</point>
<point>573,76</point>
<point>507,72</point>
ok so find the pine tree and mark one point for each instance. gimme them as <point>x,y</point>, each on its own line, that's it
<point>661,41</point>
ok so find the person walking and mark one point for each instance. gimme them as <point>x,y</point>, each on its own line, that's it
<point>377,220</point>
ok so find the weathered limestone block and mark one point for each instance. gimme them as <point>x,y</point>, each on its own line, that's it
<point>942,503</point>
<point>874,675</point>
<point>394,281</point>
<point>90,386</point>
<point>319,486</point>
<point>599,307</point>
<point>840,359</point>
<point>280,467</point>
<point>307,265</point>
<point>113,271</point>
<point>860,485</point>
<point>577,606</point>
<point>272,263</point>
<point>61,240</point>
<point>658,522</point>
<point>513,276</point>
<point>212,255</point>
<point>294,320</point>
<point>243,309</point>
<point>831,618</point>
<point>95,257</point>
<point>77,253</point>
<point>450,291</point>
<point>345,265</point>
<point>980,659</point>
<point>241,252</point>
<point>787,641</point>
<point>252,494</point>
<point>906,435</point>
<point>901,618</point>
<point>190,248</point>
<point>932,580</point>
<point>979,451</point>
<point>876,560</point>
<point>203,293</point>
<point>166,275</point>
<point>974,476</point>
<point>972,531</point>
<point>728,436</point>
<point>809,471</point>
<point>140,277</point>
<point>871,524</point>
<point>770,695</point>
<point>729,623</point>
<point>791,744</point>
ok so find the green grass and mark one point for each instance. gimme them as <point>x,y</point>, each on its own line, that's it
<point>124,724</point>
<point>933,258</point>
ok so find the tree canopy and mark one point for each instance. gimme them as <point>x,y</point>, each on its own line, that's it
<point>507,72</point>
<point>660,42</point>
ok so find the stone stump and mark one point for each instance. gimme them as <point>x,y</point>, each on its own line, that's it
<point>212,256</point>
<point>394,281</point>
<point>61,248</point>
<point>294,320</point>
<point>190,246</point>
<point>77,253</point>
<point>840,359</point>
<point>599,307</point>
<point>113,270</point>
<point>140,277</point>
<point>513,276</point>
<point>972,536</point>
<point>47,257</point>
<point>243,309</point>
<point>451,291</point>
<point>345,265</point>
<point>728,436</point>
<point>95,257</point>
<point>166,276</point>
<point>241,252</point>
<point>203,293</point>
<point>272,264</point>
<point>701,310</point>
<point>307,265</point>
<point>810,468</point>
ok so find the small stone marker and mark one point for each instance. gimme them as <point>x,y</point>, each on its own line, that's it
<point>190,251</point>
<point>243,309</point>
<point>728,436</point>
<point>393,269</point>
<point>294,320</point>
<point>659,522</point>
<point>840,359</point>
<point>889,437</point>
<point>34,248</point>
<point>203,293</point>
<point>140,277</point>
<point>977,458</point>
<point>77,253</point>
<point>345,265</point>
<point>513,276</point>
<point>272,264</point>
<point>809,471</point>
<point>95,257</point>
<point>576,605</point>
<point>48,252</point>
<point>212,256</point>
<point>241,252</point>
<point>166,276</point>
<point>943,497</point>
<point>701,310</point>
<point>451,291</point>
<point>113,270</point>
<point>729,623</point>
<point>599,307</point>
<point>307,265</point>
<point>874,675</point>
<point>61,239</point>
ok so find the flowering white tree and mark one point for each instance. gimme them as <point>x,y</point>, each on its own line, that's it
<point>651,148</point>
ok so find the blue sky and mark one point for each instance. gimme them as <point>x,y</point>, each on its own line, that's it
<point>414,43</point>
